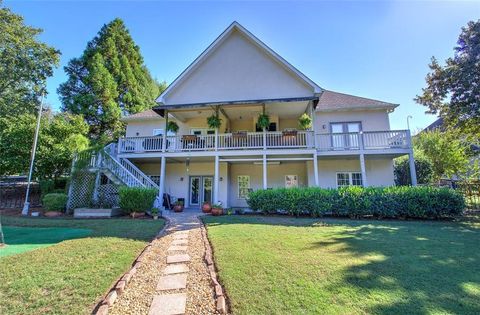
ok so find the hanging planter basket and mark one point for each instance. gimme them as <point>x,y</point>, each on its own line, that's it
<point>263,121</point>
<point>172,126</point>
<point>305,121</point>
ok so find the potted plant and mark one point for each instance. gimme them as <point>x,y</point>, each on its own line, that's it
<point>305,121</point>
<point>172,126</point>
<point>263,121</point>
<point>214,121</point>
<point>178,207</point>
<point>206,207</point>
<point>154,213</point>
<point>217,209</point>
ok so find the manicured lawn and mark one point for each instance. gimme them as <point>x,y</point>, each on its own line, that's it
<point>68,277</point>
<point>280,265</point>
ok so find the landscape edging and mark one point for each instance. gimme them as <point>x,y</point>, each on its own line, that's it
<point>220,296</point>
<point>102,307</point>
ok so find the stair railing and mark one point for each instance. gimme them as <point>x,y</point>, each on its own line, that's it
<point>117,169</point>
<point>135,171</point>
<point>125,170</point>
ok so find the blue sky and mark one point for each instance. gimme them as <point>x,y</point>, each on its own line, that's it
<point>373,49</point>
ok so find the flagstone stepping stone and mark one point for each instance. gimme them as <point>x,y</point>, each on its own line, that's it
<point>172,282</point>
<point>179,242</point>
<point>180,232</point>
<point>173,259</point>
<point>180,236</point>
<point>169,304</point>
<point>175,268</point>
<point>179,248</point>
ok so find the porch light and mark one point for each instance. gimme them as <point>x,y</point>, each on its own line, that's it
<point>187,164</point>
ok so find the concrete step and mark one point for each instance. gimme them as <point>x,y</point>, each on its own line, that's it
<point>96,213</point>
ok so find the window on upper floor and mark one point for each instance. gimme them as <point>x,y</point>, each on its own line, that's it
<point>202,131</point>
<point>345,134</point>
<point>159,132</point>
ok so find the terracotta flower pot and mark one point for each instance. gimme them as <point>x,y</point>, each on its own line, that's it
<point>178,208</point>
<point>217,211</point>
<point>206,207</point>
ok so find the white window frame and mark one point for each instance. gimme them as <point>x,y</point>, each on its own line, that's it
<point>295,179</point>
<point>350,178</point>
<point>203,131</point>
<point>159,132</point>
<point>238,185</point>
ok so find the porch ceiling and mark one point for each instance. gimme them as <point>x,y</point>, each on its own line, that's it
<point>245,111</point>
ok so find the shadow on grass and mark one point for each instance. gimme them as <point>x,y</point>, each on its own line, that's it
<point>425,267</point>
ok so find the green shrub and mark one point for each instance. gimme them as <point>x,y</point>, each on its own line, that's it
<point>358,202</point>
<point>55,202</point>
<point>136,199</point>
<point>52,186</point>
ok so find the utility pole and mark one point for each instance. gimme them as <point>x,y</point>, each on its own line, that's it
<point>26,205</point>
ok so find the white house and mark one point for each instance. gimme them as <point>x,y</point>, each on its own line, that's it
<point>350,142</point>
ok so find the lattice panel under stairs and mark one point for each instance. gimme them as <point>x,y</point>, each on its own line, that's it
<point>81,190</point>
<point>108,195</point>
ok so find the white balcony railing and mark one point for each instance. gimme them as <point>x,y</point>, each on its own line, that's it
<point>371,140</point>
<point>392,139</point>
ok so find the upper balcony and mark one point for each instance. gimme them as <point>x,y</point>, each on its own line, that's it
<point>325,143</point>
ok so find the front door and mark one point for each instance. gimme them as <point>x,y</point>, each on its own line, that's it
<point>201,190</point>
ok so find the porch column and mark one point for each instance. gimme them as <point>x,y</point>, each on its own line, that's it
<point>362,168</point>
<point>216,179</point>
<point>314,140</point>
<point>265,171</point>
<point>161,188</point>
<point>315,169</point>
<point>164,136</point>
<point>216,130</point>
<point>413,171</point>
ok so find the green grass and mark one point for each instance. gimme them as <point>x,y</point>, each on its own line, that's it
<point>280,265</point>
<point>70,276</point>
<point>23,239</point>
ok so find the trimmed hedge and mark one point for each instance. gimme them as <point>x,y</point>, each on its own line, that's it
<point>136,199</point>
<point>357,202</point>
<point>55,202</point>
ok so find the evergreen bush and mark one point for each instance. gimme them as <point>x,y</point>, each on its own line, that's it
<point>359,202</point>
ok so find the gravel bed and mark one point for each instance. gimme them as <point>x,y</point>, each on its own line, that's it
<point>140,291</point>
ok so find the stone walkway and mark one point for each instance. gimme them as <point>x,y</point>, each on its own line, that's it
<point>174,278</point>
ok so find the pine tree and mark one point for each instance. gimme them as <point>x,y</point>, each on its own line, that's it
<point>109,80</point>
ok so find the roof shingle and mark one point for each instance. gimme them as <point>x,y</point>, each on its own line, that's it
<point>330,100</point>
<point>148,114</point>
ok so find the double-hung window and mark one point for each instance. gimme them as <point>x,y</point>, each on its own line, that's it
<point>243,186</point>
<point>349,179</point>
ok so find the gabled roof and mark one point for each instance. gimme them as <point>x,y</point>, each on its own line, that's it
<point>235,26</point>
<point>334,101</point>
<point>148,114</point>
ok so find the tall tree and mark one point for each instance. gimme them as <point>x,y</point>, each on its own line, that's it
<point>25,64</point>
<point>61,136</point>
<point>447,154</point>
<point>453,90</point>
<point>108,80</point>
